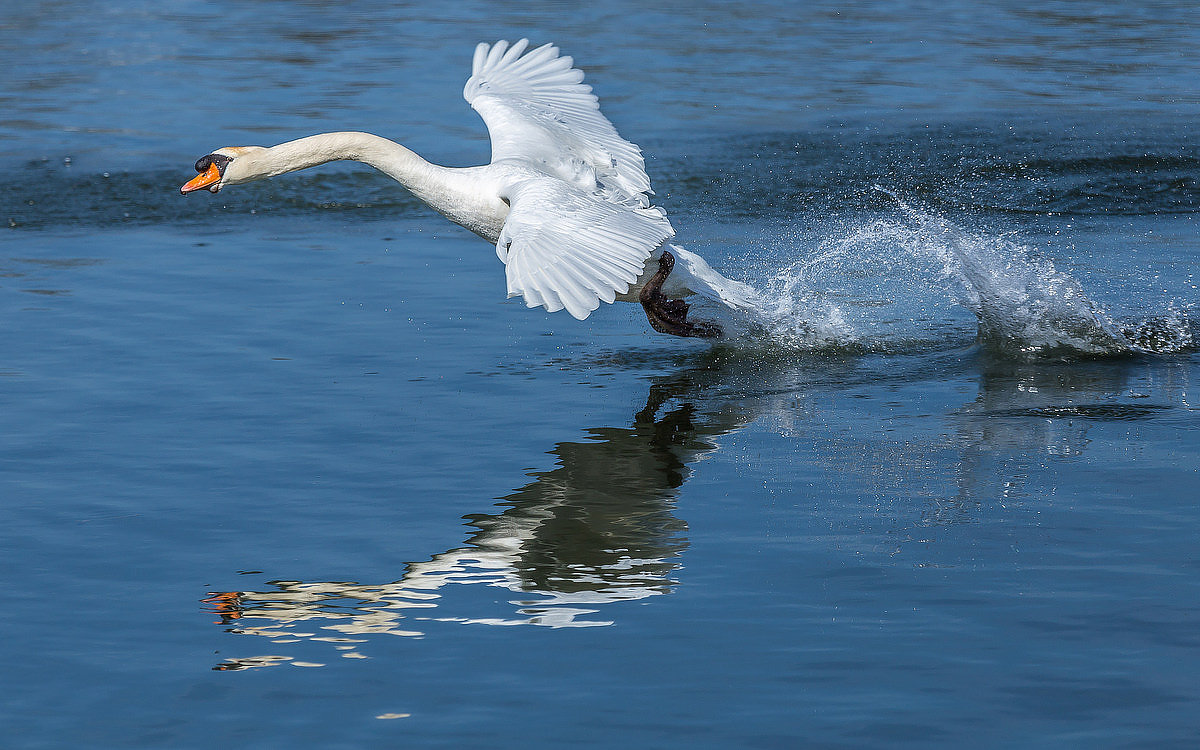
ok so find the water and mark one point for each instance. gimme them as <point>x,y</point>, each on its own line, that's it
<point>281,467</point>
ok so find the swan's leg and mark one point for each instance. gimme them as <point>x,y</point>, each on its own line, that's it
<point>670,315</point>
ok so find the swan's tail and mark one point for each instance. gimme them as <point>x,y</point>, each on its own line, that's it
<point>737,308</point>
<point>694,274</point>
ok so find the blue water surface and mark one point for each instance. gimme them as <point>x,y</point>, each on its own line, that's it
<point>283,468</point>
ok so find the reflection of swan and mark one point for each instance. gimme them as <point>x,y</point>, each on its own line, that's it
<point>565,199</point>
<point>600,527</point>
<point>597,529</point>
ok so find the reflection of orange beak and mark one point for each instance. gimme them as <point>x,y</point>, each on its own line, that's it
<point>208,179</point>
<point>227,604</point>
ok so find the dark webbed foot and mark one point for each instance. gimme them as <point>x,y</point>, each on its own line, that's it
<point>670,315</point>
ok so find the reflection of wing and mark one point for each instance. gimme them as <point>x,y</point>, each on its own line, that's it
<point>563,247</point>
<point>537,108</point>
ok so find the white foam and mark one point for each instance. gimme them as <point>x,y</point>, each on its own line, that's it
<point>904,284</point>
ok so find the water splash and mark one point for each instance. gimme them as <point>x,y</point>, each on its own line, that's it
<point>902,284</point>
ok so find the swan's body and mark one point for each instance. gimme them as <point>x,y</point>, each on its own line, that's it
<point>565,200</point>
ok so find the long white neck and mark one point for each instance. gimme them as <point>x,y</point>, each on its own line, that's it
<point>455,193</point>
<point>388,157</point>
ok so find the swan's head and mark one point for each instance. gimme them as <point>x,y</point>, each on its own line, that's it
<point>225,166</point>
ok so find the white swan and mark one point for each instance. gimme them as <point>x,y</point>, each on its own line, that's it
<point>565,199</point>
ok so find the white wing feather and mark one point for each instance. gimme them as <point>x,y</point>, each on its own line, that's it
<point>536,107</point>
<point>566,248</point>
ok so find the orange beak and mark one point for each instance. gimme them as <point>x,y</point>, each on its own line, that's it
<point>207,179</point>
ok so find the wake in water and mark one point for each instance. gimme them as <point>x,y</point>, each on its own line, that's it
<point>893,285</point>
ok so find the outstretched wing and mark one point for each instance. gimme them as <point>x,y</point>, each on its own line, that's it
<point>566,248</point>
<point>536,107</point>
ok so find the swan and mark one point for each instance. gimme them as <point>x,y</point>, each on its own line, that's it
<point>565,199</point>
